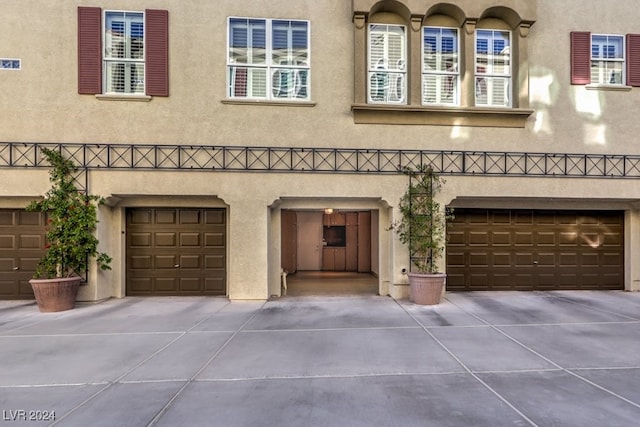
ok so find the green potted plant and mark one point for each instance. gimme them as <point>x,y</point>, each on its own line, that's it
<point>422,226</point>
<point>70,237</point>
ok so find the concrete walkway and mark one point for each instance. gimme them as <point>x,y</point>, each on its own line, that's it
<point>478,359</point>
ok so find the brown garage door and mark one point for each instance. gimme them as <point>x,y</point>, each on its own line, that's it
<point>176,251</point>
<point>535,250</point>
<point>22,240</point>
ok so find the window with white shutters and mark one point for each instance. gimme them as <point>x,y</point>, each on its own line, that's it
<point>440,66</point>
<point>607,59</point>
<point>387,80</point>
<point>493,68</point>
<point>268,59</point>
<point>124,53</point>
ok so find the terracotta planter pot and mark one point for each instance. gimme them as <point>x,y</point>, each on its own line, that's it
<point>425,288</point>
<point>57,294</point>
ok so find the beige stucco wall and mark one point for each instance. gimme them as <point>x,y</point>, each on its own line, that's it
<point>40,104</point>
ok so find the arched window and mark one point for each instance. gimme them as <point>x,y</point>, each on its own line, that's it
<point>387,64</point>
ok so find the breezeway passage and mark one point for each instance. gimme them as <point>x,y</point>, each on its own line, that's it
<point>483,359</point>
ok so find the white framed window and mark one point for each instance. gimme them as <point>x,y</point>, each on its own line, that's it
<point>387,64</point>
<point>493,68</point>
<point>10,64</point>
<point>440,66</point>
<point>123,56</point>
<point>607,59</point>
<point>268,59</point>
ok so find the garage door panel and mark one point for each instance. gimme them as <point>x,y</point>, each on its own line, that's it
<point>7,218</point>
<point>523,238</point>
<point>214,240</point>
<point>568,219</point>
<point>140,217</point>
<point>479,281</point>
<point>479,238</point>
<point>215,285</point>
<point>501,238</point>
<point>522,218</point>
<point>185,254</point>
<point>479,259</point>
<point>214,262</point>
<point>167,285</point>
<point>29,264</point>
<point>140,240</point>
<point>190,239</point>
<point>189,285</point>
<point>523,259</point>
<point>549,250</point>
<point>7,288</point>
<point>590,260</point>
<point>214,217</point>
<point>611,240</point>
<point>190,261</point>
<point>568,238</point>
<point>189,217</point>
<point>166,240</point>
<point>502,259</point>
<point>612,260</point>
<point>478,217</point>
<point>456,259</point>
<point>163,217</point>
<point>590,239</point>
<point>546,238</point>
<point>165,262</point>
<point>7,241</point>
<point>25,218</point>
<point>456,238</point>
<point>568,260</point>
<point>140,286</point>
<point>500,217</point>
<point>545,259</point>
<point>31,241</point>
<point>140,262</point>
<point>523,281</point>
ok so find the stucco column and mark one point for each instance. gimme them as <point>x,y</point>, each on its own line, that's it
<point>632,250</point>
<point>521,66</point>
<point>247,274</point>
<point>415,69</point>
<point>467,67</point>
<point>360,57</point>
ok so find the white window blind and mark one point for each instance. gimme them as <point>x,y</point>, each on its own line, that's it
<point>440,66</point>
<point>493,68</point>
<point>268,59</point>
<point>124,52</point>
<point>387,64</point>
<point>607,59</point>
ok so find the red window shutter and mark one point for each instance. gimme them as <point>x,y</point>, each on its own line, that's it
<point>157,52</point>
<point>89,50</point>
<point>580,58</point>
<point>633,59</point>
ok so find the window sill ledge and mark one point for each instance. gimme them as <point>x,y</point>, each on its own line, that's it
<point>119,97</point>
<point>444,116</point>
<point>613,88</point>
<point>266,102</point>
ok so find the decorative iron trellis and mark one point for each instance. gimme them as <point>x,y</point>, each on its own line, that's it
<point>322,160</point>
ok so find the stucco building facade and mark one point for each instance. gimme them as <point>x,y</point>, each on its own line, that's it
<point>220,132</point>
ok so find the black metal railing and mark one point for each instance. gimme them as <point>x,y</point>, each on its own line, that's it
<point>322,160</point>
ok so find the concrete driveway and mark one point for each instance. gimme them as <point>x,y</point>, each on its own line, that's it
<point>481,359</point>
